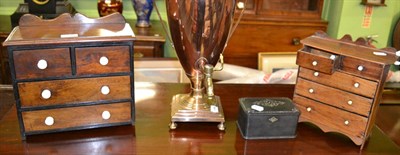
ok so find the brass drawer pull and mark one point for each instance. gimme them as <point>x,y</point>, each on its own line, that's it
<point>49,121</point>
<point>106,115</point>
<point>103,60</point>
<point>105,90</point>
<point>42,64</point>
<point>46,94</point>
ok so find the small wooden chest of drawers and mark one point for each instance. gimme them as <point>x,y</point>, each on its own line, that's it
<point>72,73</point>
<point>340,84</point>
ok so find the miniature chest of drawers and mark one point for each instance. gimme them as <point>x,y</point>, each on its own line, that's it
<point>340,84</point>
<point>72,73</point>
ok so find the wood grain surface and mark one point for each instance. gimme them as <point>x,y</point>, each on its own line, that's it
<point>342,81</point>
<point>58,63</point>
<point>151,134</point>
<point>370,70</point>
<point>331,119</point>
<point>74,91</point>
<point>334,97</point>
<point>324,64</point>
<point>76,116</point>
<point>88,60</point>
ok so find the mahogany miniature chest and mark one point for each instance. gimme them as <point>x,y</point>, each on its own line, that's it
<point>71,73</point>
<point>340,84</point>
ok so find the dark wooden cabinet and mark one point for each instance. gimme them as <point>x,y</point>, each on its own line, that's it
<point>71,65</point>
<point>149,40</point>
<point>273,26</point>
<point>4,66</point>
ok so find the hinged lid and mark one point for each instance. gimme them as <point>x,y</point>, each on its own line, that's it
<point>270,105</point>
<point>69,29</point>
<point>359,49</point>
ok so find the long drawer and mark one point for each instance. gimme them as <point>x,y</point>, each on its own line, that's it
<point>331,119</point>
<point>342,81</point>
<point>55,92</point>
<point>334,97</point>
<point>76,116</point>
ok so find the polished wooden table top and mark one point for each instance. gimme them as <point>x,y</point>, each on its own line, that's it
<point>151,134</point>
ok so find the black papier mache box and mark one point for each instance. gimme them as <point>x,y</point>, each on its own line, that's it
<point>277,120</point>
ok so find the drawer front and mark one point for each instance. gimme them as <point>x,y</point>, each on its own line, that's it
<point>143,51</point>
<point>73,91</point>
<point>331,119</point>
<point>362,68</point>
<point>334,97</point>
<point>316,62</point>
<point>342,81</point>
<point>102,60</point>
<point>42,63</point>
<point>76,116</point>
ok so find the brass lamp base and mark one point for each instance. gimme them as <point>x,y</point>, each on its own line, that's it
<point>186,108</point>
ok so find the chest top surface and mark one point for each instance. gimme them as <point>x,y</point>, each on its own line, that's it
<point>69,29</point>
<point>346,47</point>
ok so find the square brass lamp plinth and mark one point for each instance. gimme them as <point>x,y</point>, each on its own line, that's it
<point>185,108</point>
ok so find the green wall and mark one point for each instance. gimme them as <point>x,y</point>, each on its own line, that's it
<point>346,17</point>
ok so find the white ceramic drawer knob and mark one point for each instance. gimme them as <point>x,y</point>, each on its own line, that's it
<point>105,90</point>
<point>103,60</point>
<point>314,63</point>
<point>46,94</point>
<point>356,84</point>
<point>42,64</point>
<point>311,90</point>
<point>360,68</point>
<point>332,57</point>
<point>240,5</point>
<point>106,115</point>
<point>346,122</point>
<point>316,74</point>
<point>350,102</point>
<point>49,121</point>
<point>309,109</point>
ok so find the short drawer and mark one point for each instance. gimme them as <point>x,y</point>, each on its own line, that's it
<point>331,119</point>
<point>342,81</point>
<point>82,116</point>
<point>56,92</point>
<point>42,63</point>
<point>102,60</point>
<point>362,68</point>
<point>317,60</point>
<point>334,97</point>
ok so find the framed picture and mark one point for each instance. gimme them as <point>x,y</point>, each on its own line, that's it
<point>270,62</point>
<point>373,2</point>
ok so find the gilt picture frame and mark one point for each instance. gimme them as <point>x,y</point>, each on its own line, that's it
<point>270,62</point>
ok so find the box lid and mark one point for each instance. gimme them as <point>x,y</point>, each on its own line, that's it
<point>68,28</point>
<point>269,105</point>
